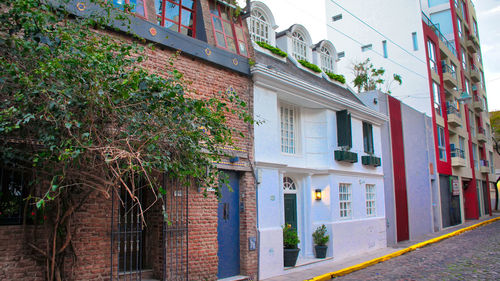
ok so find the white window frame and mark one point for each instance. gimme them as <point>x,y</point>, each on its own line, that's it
<point>371,200</point>
<point>327,59</point>
<point>288,128</point>
<point>474,156</point>
<point>441,144</point>
<point>432,55</point>
<point>260,27</point>
<point>437,98</point>
<point>345,200</point>
<point>299,49</point>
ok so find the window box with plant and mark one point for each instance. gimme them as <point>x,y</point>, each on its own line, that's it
<point>337,77</point>
<point>320,239</point>
<point>310,66</point>
<point>274,50</point>
<point>370,160</point>
<point>290,249</point>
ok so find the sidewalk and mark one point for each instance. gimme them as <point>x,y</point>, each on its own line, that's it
<point>323,267</point>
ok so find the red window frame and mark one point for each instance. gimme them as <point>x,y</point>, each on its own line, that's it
<point>127,2</point>
<point>179,3</point>
<point>232,34</point>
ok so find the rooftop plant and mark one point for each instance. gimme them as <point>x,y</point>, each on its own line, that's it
<point>309,65</point>
<point>273,50</point>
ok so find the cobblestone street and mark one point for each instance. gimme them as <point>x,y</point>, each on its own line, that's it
<point>474,255</point>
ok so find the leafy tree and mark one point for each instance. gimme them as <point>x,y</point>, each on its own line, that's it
<point>369,78</point>
<point>495,128</point>
<point>81,115</point>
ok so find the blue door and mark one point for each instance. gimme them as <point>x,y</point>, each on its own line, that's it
<point>228,229</point>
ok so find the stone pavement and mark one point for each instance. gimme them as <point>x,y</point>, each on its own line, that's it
<point>416,268</point>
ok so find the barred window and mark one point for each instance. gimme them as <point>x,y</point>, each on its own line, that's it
<point>299,46</point>
<point>259,27</point>
<point>345,200</point>
<point>288,129</point>
<point>327,60</point>
<point>370,200</point>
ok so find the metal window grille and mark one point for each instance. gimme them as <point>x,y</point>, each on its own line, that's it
<point>370,200</point>
<point>345,200</point>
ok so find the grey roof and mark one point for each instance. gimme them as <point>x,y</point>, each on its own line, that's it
<point>291,69</point>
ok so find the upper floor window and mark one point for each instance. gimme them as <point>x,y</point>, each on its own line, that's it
<point>464,10</point>
<point>437,98</point>
<point>441,143</point>
<point>474,156</point>
<point>471,123</point>
<point>464,60</point>
<point>137,7</point>
<point>228,31</point>
<point>368,138</point>
<point>260,28</point>
<point>461,144</point>
<point>432,55</point>
<point>474,26</point>
<point>176,15</point>
<point>299,46</point>
<point>327,60</point>
<point>459,26</point>
<point>414,40</point>
<point>344,136</point>
<point>288,116</point>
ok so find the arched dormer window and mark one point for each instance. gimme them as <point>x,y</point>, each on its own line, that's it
<point>299,46</point>
<point>260,27</point>
<point>327,59</point>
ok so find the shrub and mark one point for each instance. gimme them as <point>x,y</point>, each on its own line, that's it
<point>273,50</point>
<point>309,65</point>
<point>319,236</point>
<point>290,237</point>
<point>337,77</point>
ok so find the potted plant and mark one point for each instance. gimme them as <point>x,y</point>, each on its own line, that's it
<point>320,239</point>
<point>290,242</point>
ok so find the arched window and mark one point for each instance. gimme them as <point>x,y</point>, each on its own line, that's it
<point>327,59</point>
<point>289,184</point>
<point>299,46</point>
<point>259,27</point>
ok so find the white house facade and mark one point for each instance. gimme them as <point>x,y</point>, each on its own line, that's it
<point>317,152</point>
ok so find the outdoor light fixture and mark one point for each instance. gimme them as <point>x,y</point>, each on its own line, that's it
<point>317,194</point>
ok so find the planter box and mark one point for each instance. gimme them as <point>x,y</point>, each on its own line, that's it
<point>346,156</point>
<point>370,161</point>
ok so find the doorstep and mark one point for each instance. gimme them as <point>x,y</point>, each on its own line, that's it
<point>235,278</point>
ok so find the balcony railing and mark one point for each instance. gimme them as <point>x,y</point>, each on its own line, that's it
<point>484,163</point>
<point>481,130</point>
<point>457,152</point>
<point>448,69</point>
<point>435,28</point>
<point>451,109</point>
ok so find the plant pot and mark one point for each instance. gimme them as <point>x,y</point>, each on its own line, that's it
<point>290,256</point>
<point>320,251</point>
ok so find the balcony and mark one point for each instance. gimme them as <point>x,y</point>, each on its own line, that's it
<point>458,158</point>
<point>370,160</point>
<point>346,156</point>
<point>478,104</point>
<point>435,28</point>
<point>481,134</point>
<point>471,46</point>
<point>454,116</point>
<point>484,166</point>
<point>449,75</point>
<point>474,73</point>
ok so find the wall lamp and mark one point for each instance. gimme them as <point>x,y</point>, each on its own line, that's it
<point>317,194</point>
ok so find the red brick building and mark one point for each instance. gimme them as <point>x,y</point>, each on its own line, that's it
<point>206,239</point>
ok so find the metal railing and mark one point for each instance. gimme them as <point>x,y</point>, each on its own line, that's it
<point>435,28</point>
<point>451,109</point>
<point>481,130</point>
<point>484,163</point>
<point>457,152</point>
<point>449,69</point>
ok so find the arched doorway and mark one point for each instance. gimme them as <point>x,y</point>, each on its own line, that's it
<point>290,202</point>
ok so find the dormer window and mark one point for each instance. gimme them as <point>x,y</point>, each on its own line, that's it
<point>327,60</point>
<point>228,31</point>
<point>177,15</point>
<point>299,46</point>
<point>260,28</point>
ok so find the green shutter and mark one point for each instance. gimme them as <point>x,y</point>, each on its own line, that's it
<point>368,137</point>
<point>344,128</point>
<point>291,210</point>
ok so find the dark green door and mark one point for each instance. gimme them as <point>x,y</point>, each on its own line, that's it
<point>291,210</point>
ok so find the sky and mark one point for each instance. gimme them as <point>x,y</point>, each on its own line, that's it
<point>288,12</point>
<point>488,20</point>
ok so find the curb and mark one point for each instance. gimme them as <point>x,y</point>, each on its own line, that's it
<point>331,275</point>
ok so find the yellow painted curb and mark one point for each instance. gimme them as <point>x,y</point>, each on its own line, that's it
<point>329,276</point>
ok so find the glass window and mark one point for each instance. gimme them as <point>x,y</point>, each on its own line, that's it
<point>368,138</point>
<point>228,31</point>
<point>415,41</point>
<point>474,156</point>
<point>327,60</point>
<point>441,143</point>
<point>345,200</point>
<point>471,123</point>
<point>384,48</point>
<point>461,143</point>
<point>459,27</point>
<point>432,56</point>
<point>492,166</point>
<point>299,46</point>
<point>137,7</point>
<point>288,129</point>
<point>437,98</point>
<point>474,26</point>
<point>13,190</point>
<point>370,200</point>
<point>177,15</point>
<point>464,11</point>
<point>289,184</point>
<point>464,60</point>
<point>260,27</point>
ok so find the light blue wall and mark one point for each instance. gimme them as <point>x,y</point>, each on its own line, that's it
<point>433,3</point>
<point>444,20</point>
